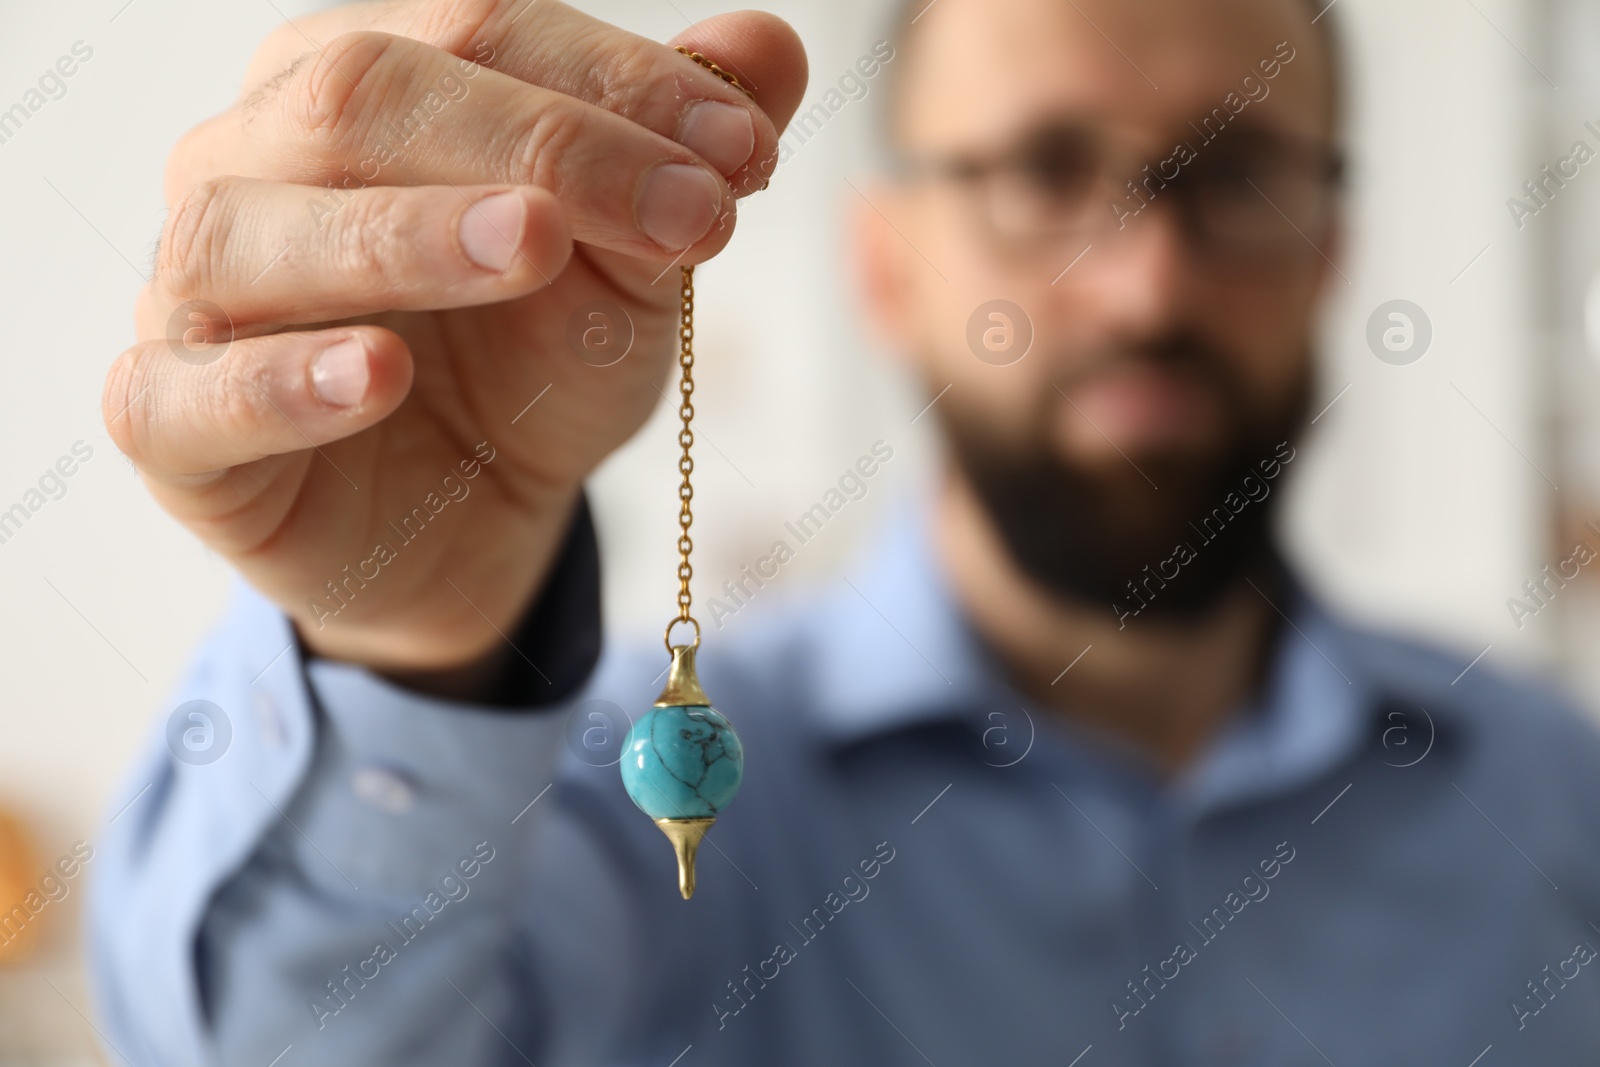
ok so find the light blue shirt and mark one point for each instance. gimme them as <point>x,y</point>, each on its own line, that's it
<point>1381,861</point>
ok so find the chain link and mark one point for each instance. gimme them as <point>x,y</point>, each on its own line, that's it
<point>685,441</point>
<point>718,71</point>
<point>686,410</point>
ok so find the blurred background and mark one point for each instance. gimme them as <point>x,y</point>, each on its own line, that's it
<point>1434,486</point>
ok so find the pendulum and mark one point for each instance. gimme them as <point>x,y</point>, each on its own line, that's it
<point>681,762</point>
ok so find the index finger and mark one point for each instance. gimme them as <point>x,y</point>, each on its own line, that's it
<point>554,46</point>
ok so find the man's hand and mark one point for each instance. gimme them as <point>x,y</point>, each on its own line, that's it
<point>495,165</point>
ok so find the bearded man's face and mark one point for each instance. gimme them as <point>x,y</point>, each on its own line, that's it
<point>1107,290</point>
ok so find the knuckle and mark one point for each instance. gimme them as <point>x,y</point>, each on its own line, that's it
<point>454,25</point>
<point>239,404</point>
<point>326,96</point>
<point>189,256</point>
<point>622,83</point>
<point>271,89</point>
<point>364,240</point>
<point>543,144</point>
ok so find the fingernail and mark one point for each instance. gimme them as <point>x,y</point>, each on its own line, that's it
<point>491,230</point>
<point>677,204</point>
<point>339,374</point>
<point>722,134</point>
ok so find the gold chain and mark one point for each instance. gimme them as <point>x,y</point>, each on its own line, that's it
<point>686,411</point>
<point>685,462</point>
<point>718,71</point>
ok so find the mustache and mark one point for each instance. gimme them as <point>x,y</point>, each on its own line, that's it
<point>1180,355</point>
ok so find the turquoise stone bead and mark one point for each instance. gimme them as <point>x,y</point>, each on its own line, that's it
<point>682,763</point>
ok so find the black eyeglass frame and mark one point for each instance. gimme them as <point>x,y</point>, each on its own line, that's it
<point>1145,183</point>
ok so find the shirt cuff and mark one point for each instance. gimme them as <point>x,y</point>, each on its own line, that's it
<point>404,783</point>
<point>559,638</point>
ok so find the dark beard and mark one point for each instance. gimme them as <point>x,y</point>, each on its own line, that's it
<point>1085,539</point>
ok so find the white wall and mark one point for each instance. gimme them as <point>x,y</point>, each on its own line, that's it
<point>1423,504</point>
<point>1413,508</point>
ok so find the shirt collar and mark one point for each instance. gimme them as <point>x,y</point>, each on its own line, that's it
<point>1314,709</point>
<point>896,651</point>
<point>895,648</point>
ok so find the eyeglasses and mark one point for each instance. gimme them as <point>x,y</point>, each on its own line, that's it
<point>1240,194</point>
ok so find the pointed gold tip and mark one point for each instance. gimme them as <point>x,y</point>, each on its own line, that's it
<point>683,687</point>
<point>685,835</point>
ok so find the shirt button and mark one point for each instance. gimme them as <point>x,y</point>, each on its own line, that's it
<point>1232,1046</point>
<point>384,789</point>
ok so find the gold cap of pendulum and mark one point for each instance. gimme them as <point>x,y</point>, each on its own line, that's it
<point>683,685</point>
<point>685,835</point>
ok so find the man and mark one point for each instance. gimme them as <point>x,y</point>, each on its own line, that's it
<point>1070,771</point>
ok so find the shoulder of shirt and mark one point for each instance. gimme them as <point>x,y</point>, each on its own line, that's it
<point>1512,717</point>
